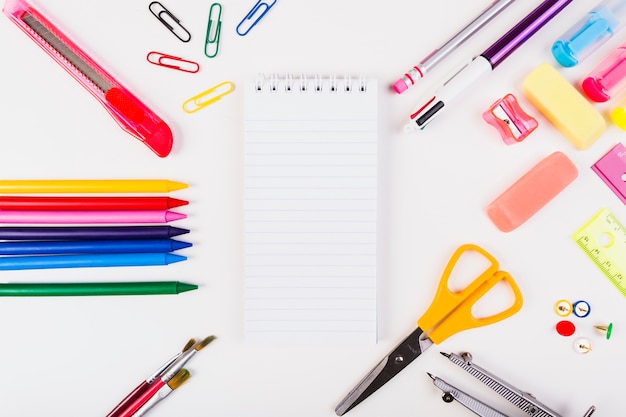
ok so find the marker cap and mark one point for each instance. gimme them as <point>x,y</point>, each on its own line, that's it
<point>593,30</point>
<point>618,116</point>
<point>607,79</point>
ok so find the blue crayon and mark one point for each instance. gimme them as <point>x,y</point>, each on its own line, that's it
<point>67,247</point>
<point>10,263</point>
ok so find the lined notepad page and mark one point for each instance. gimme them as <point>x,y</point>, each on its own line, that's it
<point>310,206</point>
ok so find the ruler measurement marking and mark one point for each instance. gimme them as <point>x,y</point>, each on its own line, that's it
<point>605,256</point>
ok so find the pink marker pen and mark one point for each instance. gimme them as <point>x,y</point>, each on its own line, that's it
<point>608,78</point>
<point>130,113</point>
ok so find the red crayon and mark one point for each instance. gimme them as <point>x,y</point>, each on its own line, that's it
<point>90,203</point>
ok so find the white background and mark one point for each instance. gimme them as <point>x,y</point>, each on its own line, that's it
<point>79,357</point>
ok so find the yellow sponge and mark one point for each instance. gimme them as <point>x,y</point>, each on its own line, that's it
<point>564,106</point>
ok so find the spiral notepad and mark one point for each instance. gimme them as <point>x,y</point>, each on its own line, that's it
<point>310,206</point>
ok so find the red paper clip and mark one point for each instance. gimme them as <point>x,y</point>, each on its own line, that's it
<point>173,62</point>
<point>510,120</point>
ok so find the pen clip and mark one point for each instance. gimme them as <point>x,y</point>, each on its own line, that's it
<point>260,5</point>
<point>173,62</point>
<point>214,27</point>
<point>173,23</point>
<point>213,94</point>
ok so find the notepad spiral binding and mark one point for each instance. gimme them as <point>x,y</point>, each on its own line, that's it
<point>304,83</point>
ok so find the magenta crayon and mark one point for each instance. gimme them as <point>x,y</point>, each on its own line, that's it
<point>88,217</point>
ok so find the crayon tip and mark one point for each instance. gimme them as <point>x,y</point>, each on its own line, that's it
<point>171,258</point>
<point>177,244</point>
<point>175,185</point>
<point>177,231</point>
<point>170,216</point>
<point>175,202</point>
<point>184,287</point>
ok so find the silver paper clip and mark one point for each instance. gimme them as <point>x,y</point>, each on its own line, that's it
<point>212,40</point>
<point>173,62</point>
<point>253,16</point>
<point>169,20</point>
<point>207,97</point>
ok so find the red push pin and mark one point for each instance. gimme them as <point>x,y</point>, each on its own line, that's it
<point>565,328</point>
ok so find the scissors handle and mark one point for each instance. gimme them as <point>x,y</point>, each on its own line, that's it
<point>451,312</point>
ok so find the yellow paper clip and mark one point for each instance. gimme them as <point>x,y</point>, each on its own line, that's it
<point>212,40</point>
<point>252,18</point>
<point>207,97</point>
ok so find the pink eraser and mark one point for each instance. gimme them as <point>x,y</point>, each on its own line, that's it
<point>400,86</point>
<point>532,191</point>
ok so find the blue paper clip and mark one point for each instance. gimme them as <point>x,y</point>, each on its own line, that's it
<point>173,24</point>
<point>212,40</point>
<point>252,14</point>
<point>207,97</point>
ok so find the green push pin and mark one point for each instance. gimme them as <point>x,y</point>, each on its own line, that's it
<point>606,329</point>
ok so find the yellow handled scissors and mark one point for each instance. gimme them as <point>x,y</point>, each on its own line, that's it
<point>449,313</point>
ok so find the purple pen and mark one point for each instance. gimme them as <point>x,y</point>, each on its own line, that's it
<point>485,62</point>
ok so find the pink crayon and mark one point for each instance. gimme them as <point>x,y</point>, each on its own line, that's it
<point>91,216</point>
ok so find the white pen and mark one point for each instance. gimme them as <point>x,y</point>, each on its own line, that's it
<point>439,54</point>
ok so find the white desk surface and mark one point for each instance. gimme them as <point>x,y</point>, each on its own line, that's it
<point>80,356</point>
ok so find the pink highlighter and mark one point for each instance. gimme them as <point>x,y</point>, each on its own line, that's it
<point>608,78</point>
<point>130,113</point>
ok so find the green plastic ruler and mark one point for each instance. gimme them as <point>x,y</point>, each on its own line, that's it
<point>603,239</point>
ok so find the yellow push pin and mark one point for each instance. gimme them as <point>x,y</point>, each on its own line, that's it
<point>563,308</point>
<point>606,330</point>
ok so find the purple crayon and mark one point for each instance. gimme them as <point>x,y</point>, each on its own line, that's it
<point>89,232</point>
<point>485,62</point>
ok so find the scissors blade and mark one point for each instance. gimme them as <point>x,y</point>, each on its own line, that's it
<point>398,359</point>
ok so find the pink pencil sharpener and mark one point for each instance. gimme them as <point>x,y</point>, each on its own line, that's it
<point>513,123</point>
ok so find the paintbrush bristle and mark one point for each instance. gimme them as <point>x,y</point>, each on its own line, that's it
<point>179,379</point>
<point>205,342</point>
<point>189,345</point>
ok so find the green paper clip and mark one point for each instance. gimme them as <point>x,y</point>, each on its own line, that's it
<point>214,26</point>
